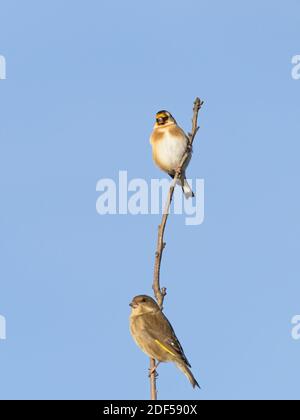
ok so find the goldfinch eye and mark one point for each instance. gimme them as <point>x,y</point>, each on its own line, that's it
<point>161,119</point>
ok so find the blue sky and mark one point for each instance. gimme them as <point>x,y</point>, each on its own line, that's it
<point>84,80</point>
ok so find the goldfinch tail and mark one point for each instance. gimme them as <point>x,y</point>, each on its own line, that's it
<point>188,374</point>
<point>187,191</point>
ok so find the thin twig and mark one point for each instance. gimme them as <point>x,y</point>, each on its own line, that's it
<point>159,292</point>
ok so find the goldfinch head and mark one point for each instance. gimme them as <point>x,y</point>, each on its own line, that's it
<point>143,304</point>
<point>164,118</point>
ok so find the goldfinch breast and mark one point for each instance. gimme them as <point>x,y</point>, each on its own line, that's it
<point>168,148</point>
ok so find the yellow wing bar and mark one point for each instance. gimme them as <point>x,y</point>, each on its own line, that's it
<point>164,347</point>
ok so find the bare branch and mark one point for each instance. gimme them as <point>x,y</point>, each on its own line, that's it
<point>159,292</point>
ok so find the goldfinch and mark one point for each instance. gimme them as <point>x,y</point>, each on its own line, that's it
<point>169,143</point>
<point>155,336</point>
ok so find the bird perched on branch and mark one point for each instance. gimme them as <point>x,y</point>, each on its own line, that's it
<point>169,144</point>
<point>154,334</point>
